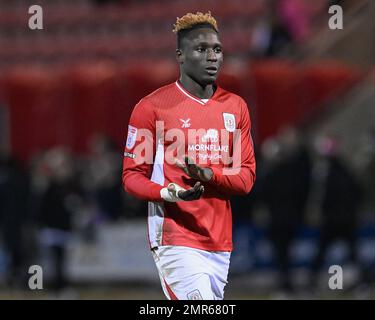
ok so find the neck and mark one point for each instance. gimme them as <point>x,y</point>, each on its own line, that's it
<point>195,88</point>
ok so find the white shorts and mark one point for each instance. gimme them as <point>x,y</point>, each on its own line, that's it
<point>192,274</point>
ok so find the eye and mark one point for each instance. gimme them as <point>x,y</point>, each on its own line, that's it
<point>200,49</point>
<point>218,50</point>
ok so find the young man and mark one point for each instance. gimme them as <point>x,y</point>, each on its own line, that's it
<point>188,149</point>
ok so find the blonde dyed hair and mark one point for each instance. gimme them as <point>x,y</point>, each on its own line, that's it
<point>189,20</point>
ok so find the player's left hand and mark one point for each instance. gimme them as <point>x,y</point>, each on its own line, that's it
<point>194,171</point>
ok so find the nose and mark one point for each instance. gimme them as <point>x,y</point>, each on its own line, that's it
<point>211,55</point>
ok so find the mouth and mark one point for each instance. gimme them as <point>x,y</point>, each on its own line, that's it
<point>211,70</point>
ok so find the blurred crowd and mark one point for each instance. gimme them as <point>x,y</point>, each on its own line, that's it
<point>279,30</point>
<point>304,181</point>
<point>60,194</point>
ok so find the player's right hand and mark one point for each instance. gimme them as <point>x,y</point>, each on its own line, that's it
<point>173,192</point>
<point>190,194</point>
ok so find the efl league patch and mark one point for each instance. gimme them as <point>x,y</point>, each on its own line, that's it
<point>132,137</point>
<point>129,155</point>
<point>229,121</point>
<point>194,295</point>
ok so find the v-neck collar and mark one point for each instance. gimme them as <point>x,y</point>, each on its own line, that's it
<point>191,96</point>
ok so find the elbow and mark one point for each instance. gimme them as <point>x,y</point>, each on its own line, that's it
<point>247,186</point>
<point>245,190</point>
<point>125,187</point>
<point>125,183</point>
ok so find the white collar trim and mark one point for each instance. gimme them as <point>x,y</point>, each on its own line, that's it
<point>189,95</point>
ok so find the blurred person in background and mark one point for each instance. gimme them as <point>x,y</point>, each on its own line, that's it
<point>341,196</point>
<point>101,179</point>
<point>285,191</point>
<point>57,203</point>
<point>299,16</point>
<point>368,178</point>
<point>366,164</point>
<point>245,224</point>
<point>270,36</point>
<point>14,219</point>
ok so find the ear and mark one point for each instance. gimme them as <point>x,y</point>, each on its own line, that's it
<point>179,56</point>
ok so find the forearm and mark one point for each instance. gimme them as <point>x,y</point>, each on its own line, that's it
<point>233,183</point>
<point>141,187</point>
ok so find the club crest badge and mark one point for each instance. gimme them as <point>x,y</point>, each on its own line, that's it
<point>229,121</point>
<point>194,295</point>
<point>132,137</point>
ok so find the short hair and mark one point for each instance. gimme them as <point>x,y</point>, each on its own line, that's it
<point>192,21</point>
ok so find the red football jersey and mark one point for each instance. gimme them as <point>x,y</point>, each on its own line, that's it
<point>170,123</point>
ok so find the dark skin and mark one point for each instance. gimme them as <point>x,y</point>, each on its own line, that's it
<point>191,194</point>
<point>200,49</point>
<point>200,57</point>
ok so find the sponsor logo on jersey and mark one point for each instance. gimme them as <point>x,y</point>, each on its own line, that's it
<point>208,147</point>
<point>211,135</point>
<point>132,137</point>
<point>229,121</point>
<point>185,123</point>
<point>194,295</point>
<point>129,155</point>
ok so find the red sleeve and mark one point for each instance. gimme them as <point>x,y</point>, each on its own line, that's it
<point>139,154</point>
<point>240,179</point>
